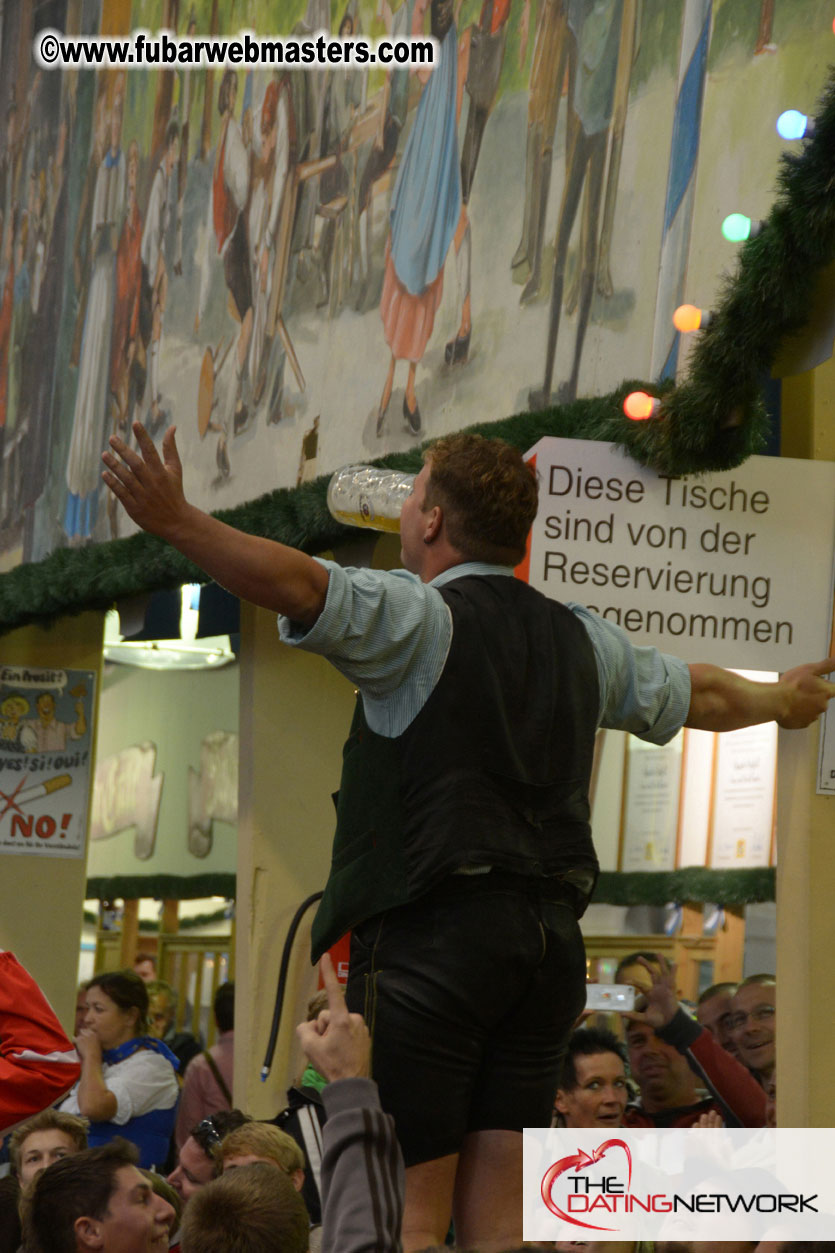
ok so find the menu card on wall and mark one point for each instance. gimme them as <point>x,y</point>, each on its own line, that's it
<point>743,795</point>
<point>652,788</point>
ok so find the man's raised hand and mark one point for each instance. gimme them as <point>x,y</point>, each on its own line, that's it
<point>807,693</point>
<point>149,486</point>
<point>660,1000</point>
<point>337,1043</point>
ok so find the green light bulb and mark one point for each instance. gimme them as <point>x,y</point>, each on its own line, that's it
<point>736,228</point>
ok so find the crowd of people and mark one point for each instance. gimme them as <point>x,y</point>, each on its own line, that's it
<point>80,1181</point>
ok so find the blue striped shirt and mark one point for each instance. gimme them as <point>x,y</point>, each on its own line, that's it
<point>389,633</point>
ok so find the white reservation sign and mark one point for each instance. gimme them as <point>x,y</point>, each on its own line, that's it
<point>732,568</point>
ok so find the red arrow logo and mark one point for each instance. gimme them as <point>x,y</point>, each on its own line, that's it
<point>580,1161</point>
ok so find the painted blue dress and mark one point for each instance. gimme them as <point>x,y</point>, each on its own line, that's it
<point>424,211</point>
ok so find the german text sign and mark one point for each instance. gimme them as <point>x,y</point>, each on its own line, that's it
<point>731,568</point>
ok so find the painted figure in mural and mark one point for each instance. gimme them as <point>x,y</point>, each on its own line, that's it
<point>392,121</point>
<point>82,267</point>
<point>127,354</point>
<point>154,272</point>
<point>343,96</point>
<point>595,49</point>
<point>485,56</point>
<point>424,213</point>
<point>309,106</point>
<point>93,391</point>
<point>19,367</point>
<point>547,75</point>
<point>11,161</point>
<point>8,234</point>
<point>230,193</point>
<point>271,184</point>
<point>188,90</point>
<point>46,320</point>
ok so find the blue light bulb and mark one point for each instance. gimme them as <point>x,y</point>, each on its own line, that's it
<point>792,124</point>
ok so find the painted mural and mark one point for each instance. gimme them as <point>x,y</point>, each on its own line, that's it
<point>308,268</point>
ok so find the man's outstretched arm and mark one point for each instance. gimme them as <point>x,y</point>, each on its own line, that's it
<point>272,575</point>
<point>723,701</point>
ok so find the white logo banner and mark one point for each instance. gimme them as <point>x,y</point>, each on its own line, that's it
<point>679,1184</point>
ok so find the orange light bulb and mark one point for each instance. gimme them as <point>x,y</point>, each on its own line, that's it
<point>687,318</point>
<point>639,406</point>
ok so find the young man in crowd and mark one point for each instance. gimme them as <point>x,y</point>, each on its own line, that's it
<point>97,1200</point>
<point>44,1139</point>
<point>753,1025</point>
<point>713,1012</point>
<point>263,1142</point>
<point>463,815</point>
<point>198,1161</point>
<point>671,1056</point>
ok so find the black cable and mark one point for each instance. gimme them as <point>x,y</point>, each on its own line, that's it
<point>282,980</point>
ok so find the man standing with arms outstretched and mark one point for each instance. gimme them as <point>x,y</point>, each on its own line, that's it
<point>463,853</point>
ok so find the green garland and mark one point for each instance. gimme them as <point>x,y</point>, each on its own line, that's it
<point>694,883</point>
<point>162,887</point>
<point>714,420</point>
<point>147,927</point>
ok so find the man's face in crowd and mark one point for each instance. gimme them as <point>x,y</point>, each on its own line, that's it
<point>637,975</point>
<point>754,1026</point>
<point>160,1014</point>
<point>715,1015</point>
<point>661,1072</point>
<point>40,1149</point>
<point>193,1170</point>
<point>599,1098</point>
<point>136,1219</point>
<point>145,970</point>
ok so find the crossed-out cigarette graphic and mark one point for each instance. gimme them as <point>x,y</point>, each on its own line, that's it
<point>35,791</point>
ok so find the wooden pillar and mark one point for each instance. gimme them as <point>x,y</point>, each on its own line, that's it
<point>130,933</point>
<point>295,711</point>
<point>805,827</point>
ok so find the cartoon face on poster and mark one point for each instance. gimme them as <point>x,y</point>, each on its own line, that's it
<point>45,759</point>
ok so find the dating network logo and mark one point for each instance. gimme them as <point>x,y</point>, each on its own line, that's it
<point>579,1192</point>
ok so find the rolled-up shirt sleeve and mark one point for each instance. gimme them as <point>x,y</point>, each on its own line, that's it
<point>642,690</point>
<point>387,632</point>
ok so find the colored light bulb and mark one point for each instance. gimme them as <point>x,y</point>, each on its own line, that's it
<point>639,406</point>
<point>687,318</point>
<point>736,227</point>
<point>793,125</point>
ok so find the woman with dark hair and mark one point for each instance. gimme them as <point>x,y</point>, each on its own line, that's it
<point>128,1085</point>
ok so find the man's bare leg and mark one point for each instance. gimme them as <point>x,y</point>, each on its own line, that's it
<point>428,1209</point>
<point>487,1203</point>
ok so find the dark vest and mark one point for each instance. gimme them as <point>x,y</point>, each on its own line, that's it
<point>494,770</point>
